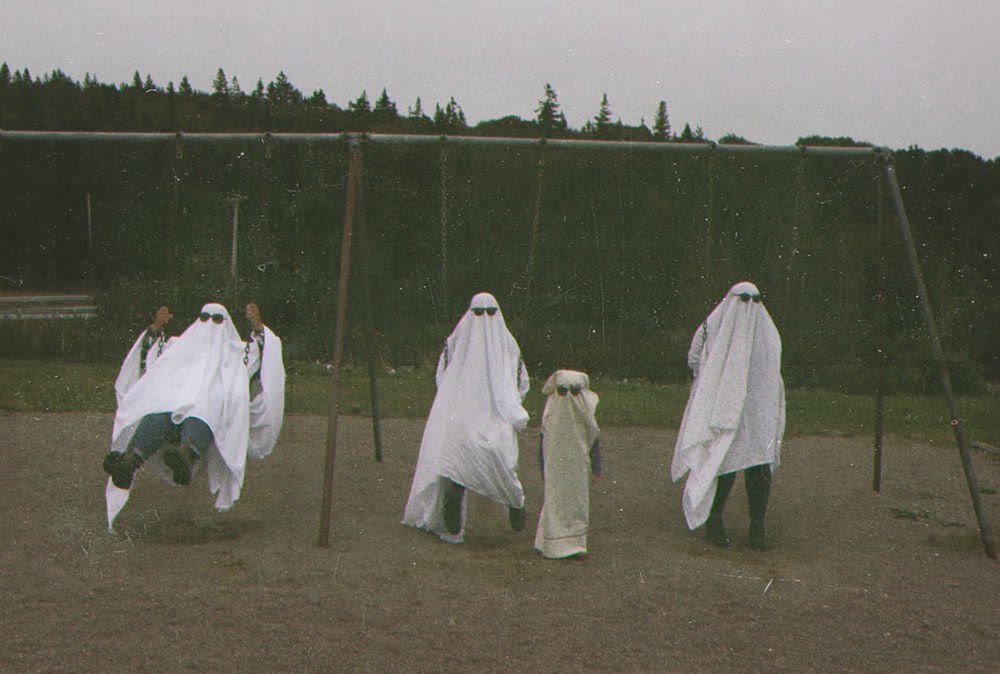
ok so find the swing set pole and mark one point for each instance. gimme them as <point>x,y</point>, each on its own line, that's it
<point>338,345</point>
<point>956,423</point>
<point>880,351</point>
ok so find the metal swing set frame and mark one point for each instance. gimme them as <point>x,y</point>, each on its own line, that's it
<point>355,143</point>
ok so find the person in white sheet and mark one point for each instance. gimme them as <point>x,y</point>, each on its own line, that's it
<point>205,396</point>
<point>570,460</point>
<point>735,415</point>
<point>470,439</point>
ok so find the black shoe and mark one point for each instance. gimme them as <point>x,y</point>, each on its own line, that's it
<point>180,460</point>
<point>452,504</point>
<point>121,466</point>
<point>757,539</point>
<point>715,531</point>
<point>517,518</point>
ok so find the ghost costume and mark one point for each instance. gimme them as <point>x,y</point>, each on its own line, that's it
<point>569,447</point>
<point>735,414</point>
<point>203,374</point>
<point>470,439</point>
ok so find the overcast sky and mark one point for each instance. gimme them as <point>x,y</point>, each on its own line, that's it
<point>891,72</point>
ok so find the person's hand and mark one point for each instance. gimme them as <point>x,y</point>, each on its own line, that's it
<point>253,315</point>
<point>162,316</point>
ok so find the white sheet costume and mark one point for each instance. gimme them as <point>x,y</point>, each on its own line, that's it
<point>203,373</point>
<point>471,433</point>
<point>569,434</point>
<point>735,414</point>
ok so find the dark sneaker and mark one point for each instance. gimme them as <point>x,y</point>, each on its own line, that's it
<point>121,466</point>
<point>452,504</point>
<point>715,531</point>
<point>179,460</point>
<point>517,518</point>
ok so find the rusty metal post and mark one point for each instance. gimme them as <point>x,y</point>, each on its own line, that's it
<point>338,345</point>
<point>880,347</point>
<point>956,423</point>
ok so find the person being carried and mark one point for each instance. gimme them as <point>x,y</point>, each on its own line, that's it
<point>205,396</point>
<point>735,415</point>
<point>570,461</point>
<point>470,439</point>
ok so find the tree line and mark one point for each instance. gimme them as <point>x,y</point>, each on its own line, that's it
<point>56,101</point>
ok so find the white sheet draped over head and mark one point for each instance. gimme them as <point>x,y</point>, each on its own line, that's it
<point>471,431</point>
<point>201,375</point>
<point>735,414</point>
<point>569,430</point>
<point>569,417</point>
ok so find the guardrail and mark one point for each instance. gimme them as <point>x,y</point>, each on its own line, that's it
<point>47,307</point>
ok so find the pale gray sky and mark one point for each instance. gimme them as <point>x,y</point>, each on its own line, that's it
<point>893,72</point>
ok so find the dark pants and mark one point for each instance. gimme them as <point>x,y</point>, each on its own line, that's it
<point>156,429</point>
<point>758,484</point>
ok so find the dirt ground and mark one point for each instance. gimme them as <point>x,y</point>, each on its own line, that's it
<point>854,580</point>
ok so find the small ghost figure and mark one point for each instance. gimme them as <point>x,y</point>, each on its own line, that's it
<point>570,460</point>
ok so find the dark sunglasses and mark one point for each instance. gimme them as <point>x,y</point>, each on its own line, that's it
<point>746,297</point>
<point>216,318</point>
<point>478,311</point>
<point>574,389</point>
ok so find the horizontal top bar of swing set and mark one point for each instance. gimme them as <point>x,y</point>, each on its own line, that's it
<point>389,139</point>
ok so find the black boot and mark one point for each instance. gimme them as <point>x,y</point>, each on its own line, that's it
<point>452,504</point>
<point>715,531</point>
<point>758,484</point>
<point>121,466</point>
<point>517,518</point>
<point>181,461</point>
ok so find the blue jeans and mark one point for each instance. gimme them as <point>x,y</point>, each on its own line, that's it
<point>155,429</point>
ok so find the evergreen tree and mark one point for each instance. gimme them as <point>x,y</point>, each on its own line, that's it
<point>220,85</point>
<point>360,111</point>
<point>137,81</point>
<point>185,88</point>
<point>451,118</point>
<point>5,76</point>
<point>258,91</point>
<point>550,118</point>
<point>689,136</point>
<point>148,84</point>
<point>57,76</point>
<point>361,106</point>
<point>603,119</point>
<point>415,112</point>
<point>234,88</point>
<point>661,123</point>
<point>281,92</point>
<point>385,109</point>
<point>318,99</point>
<point>416,120</point>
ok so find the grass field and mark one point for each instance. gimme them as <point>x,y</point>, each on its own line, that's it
<point>55,386</point>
